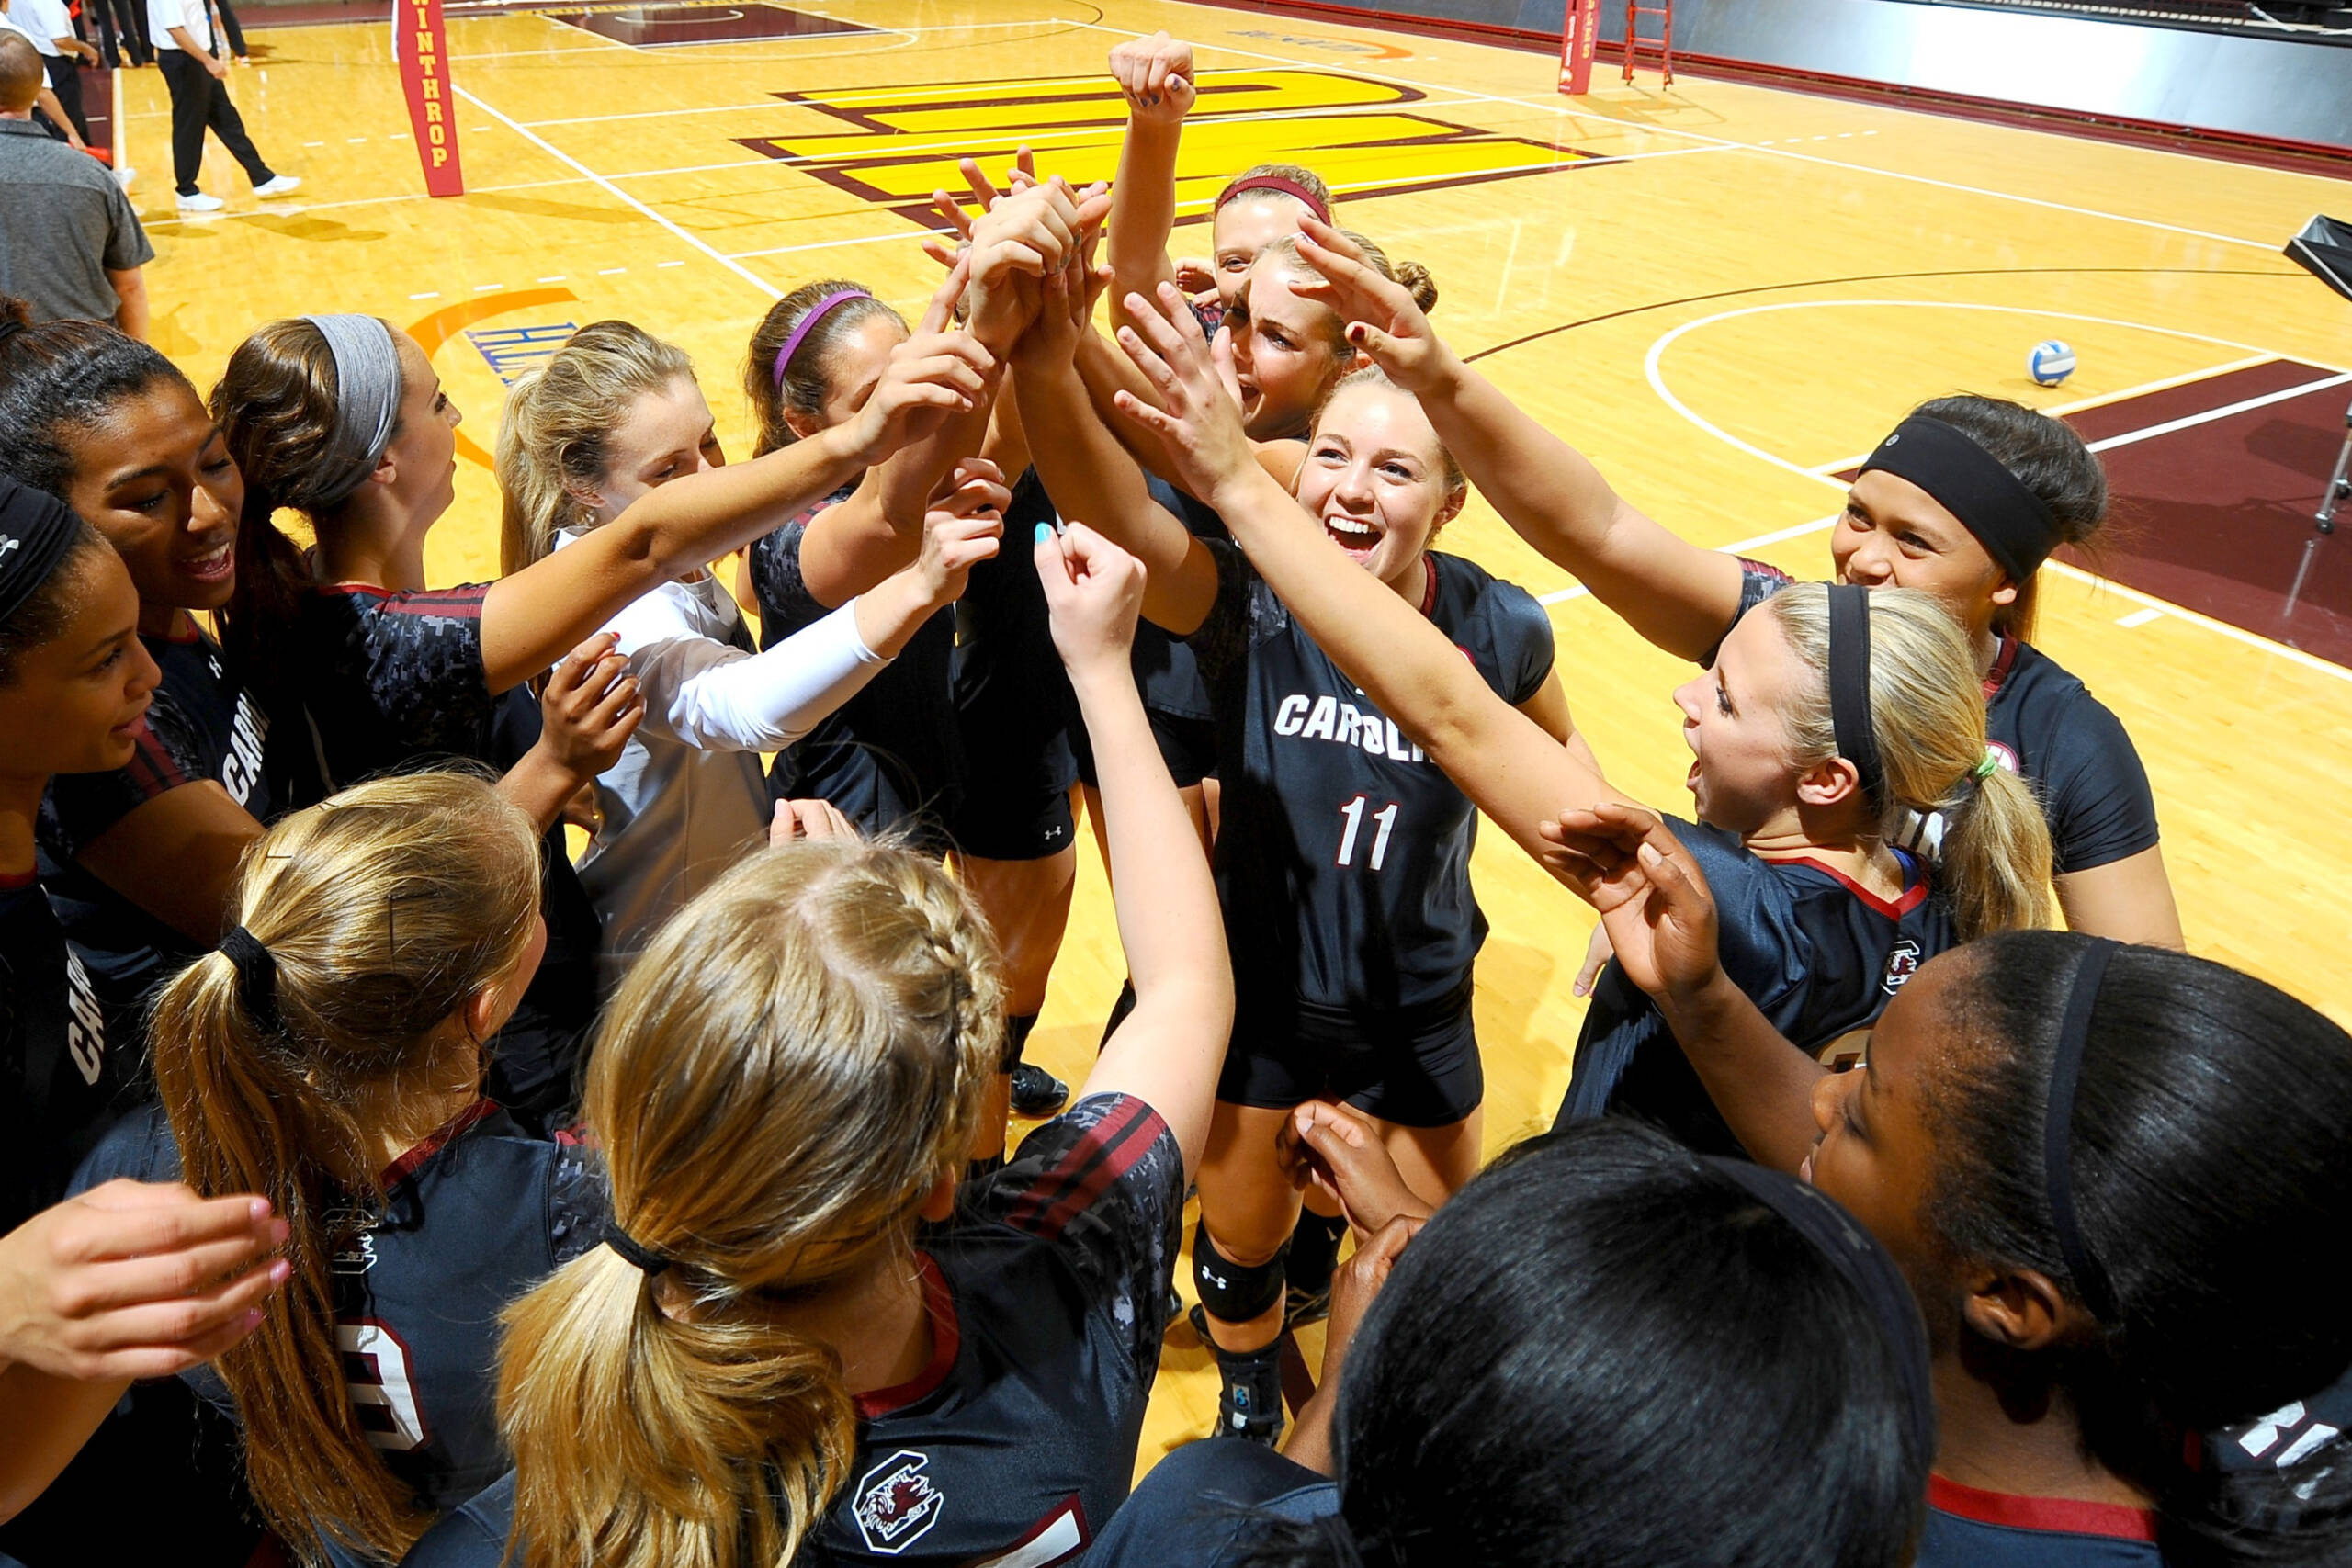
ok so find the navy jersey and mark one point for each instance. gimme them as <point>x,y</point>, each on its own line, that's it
<point>1969,1528</point>
<point>1048,1295</point>
<point>61,1087</point>
<point>471,1218</point>
<point>204,724</point>
<point>1167,673</point>
<point>1818,954</point>
<point>892,754</point>
<point>2044,726</point>
<point>1343,858</point>
<point>379,681</point>
<point>1201,1506</point>
<point>1013,703</point>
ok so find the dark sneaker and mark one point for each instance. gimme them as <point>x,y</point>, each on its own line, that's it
<point>1301,1306</point>
<point>1249,1405</point>
<point>1037,1092</point>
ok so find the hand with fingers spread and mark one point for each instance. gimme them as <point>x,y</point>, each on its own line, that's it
<point>1023,239</point>
<point>1198,422</point>
<point>1339,1149</point>
<point>1155,76</point>
<point>590,709</point>
<point>1093,591</point>
<point>1653,898</point>
<point>1382,319</point>
<point>796,820</point>
<point>964,526</point>
<point>933,376</point>
<point>1023,175</point>
<point>136,1279</point>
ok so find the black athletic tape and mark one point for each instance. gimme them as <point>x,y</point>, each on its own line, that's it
<point>36,530</point>
<point>1231,1290</point>
<point>2012,522</point>
<point>2058,1130</point>
<point>1849,688</point>
<point>1866,1266</point>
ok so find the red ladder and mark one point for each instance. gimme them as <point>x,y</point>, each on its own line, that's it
<point>1660,47</point>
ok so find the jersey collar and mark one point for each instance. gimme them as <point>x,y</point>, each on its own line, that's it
<point>2063,1515</point>
<point>946,1342</point>
<point>2004,663</point>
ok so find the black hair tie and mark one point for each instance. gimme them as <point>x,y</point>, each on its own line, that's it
<point>9,327</point>
<point>256,976</point>
<point>1864,1265</point>
<point>1333,1527</point>
<point>636,1252</point>
<point>2058,1130</point>
<point>1849,688</point>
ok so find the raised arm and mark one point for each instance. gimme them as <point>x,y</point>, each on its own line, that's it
<point>532,617</point>
<point>1498,756</point>
<point>1169,1051</point>
<point>1155,76</point>
<point>1090,475</point>
<point>1679,596</point>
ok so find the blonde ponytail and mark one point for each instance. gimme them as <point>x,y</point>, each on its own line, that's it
<point>551,435</point>
<point>786,1074</point>
<point>381,912</point>
<point>1927,710</point>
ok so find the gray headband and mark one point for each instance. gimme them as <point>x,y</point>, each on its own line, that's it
<point>367,398</point>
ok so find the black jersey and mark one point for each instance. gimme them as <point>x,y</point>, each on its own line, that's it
<point>1819,955</point>
<point>893,754</point>
<point>204,724</point>
<point>471,1218</point>
<point>1344,858</point>
<point>1048,1295</point>
<point>2044,726</point>
<point>1201,1507</point>
<point>382,681</point>
<point>1013,703</point>
<point>61,1087</point>
<point>1970,1528</point>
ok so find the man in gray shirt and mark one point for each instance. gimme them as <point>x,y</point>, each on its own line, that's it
<point>69,241</point>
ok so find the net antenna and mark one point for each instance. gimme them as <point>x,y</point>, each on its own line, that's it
<point>2324,250</point>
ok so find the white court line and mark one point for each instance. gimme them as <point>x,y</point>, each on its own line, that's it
<point>2148,601</point>
<point>2138,618</point>
<point>1370,70</point>
<point>296,209</point>
<point>2265,400</point>
<point>755,279</point>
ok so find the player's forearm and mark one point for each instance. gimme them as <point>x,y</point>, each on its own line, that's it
<point>680,527</point>
<point>130,310</point>
<point>1143,211</point>
<point>50,1418</point>
<point>1092,478</point>
<point>1761,1083</point>
<point>540,785</point>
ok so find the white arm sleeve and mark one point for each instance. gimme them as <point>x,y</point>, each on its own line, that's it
<point>710,694</point>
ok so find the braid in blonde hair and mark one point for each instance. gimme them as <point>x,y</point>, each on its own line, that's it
<point>789,1071</point>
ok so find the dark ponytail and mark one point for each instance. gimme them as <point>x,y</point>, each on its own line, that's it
<point>1604,1351</point>
<point>57,378</point>
<point>2211,1158</point>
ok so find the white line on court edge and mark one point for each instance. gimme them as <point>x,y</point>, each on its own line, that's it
<point>2138,618</point>
<point>609,189</point>
<point>2130,437</point>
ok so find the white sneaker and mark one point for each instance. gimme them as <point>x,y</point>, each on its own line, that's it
<point>126,175</point>
<point>200,202</point>
<point>281,185</point>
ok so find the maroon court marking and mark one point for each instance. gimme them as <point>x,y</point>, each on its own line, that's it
<point>656,26</point>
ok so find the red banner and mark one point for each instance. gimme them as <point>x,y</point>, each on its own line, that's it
<point>1579,31</point>
<point>421,44</point>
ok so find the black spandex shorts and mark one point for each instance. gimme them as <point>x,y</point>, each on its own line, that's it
<point>1003,817</point>
<point>1416,1066</point>
<point>1187,745</point>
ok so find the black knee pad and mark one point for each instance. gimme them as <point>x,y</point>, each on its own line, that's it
<point>1231,1290</point>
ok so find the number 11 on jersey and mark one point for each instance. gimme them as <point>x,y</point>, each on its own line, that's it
<point>1384,820</point>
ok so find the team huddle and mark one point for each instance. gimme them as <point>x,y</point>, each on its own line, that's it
<point>385,1184</point>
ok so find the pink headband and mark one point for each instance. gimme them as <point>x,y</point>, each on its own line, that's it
<point>808,319</point>
<point>1277,183</point>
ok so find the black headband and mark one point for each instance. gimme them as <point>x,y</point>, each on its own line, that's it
<point>1850,687</point>
<point>2058,1130</point>
<point>636,1252</point>
<point>256,976</point>
<point>2012,522</point>
<point>36,530</point>
<point>1863,1264</point>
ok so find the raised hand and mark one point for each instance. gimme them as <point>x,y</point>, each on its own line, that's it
<point>1652,896</point>
<point>590,709</point>
<point>963,526</point>
<point>796,820</point>
<point>1336,1148</point>
<point>1155,76</point>
<point>136,1279</point>
<point>933,377</point>
<point>1093,591</point>
<point>1382,319</point>
<point>1198,420</point>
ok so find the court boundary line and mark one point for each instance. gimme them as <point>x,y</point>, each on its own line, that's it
<point>2139,596</point>
<point>2247,405</point>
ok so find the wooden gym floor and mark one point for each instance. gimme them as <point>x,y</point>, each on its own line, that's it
<point>1721,292</point>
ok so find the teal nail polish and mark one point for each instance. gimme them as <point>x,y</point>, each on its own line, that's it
<point>1045,532</point>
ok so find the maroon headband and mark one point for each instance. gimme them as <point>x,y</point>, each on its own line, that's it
<point>1277,183</point>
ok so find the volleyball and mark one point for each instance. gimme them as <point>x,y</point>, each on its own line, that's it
<point>2051,362</point>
